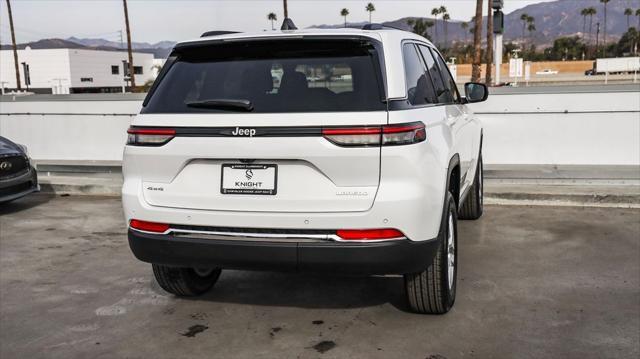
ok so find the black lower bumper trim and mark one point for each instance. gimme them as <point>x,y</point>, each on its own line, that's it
<point>392,257</point>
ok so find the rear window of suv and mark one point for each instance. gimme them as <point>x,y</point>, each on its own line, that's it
<point>272,76</point>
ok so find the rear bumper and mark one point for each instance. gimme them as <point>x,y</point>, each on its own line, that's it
<point>391,257</point>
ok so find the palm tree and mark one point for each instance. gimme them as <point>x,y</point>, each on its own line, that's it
<point>604,35</point>
<point>443,10</point>
<point>445,17</point>
<point>628,12</point>
<point>477,52</point>
<point>464,26</point>
<point>531,27</point>
<point>129,50</point>
<point>524,18</point>
<point>489,51</point>
<point>272,17</point>
<point>638,15</point>
<point>420,27</point>
<point>370,8</point>
<point>15,49</point>
<point>344,12</point>
<point>435,12</point>
<point>591,11</point>
<point>584,14</point>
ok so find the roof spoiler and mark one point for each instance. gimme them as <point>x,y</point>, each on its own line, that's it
<point>374,26</point>
<point>217,33</point>
<point>288,24</point>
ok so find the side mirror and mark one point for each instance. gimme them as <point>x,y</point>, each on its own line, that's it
<point>475,92</point>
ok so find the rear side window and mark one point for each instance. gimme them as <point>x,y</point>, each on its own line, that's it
<point>419,88</point>
<point>449,83</point>
<point>442,93</point>
<point>273,76</point>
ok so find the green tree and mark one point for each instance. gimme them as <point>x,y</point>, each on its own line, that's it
<point>604,35</point>
<point>370,8</point>
<point>272,17</point>
<point>638,15</point>
<point>565,48</point>
<point>627,42</point>
<point>628,12</point>
<point>344,12</point>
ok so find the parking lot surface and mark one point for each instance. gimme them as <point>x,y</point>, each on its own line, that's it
<point>534,282</point>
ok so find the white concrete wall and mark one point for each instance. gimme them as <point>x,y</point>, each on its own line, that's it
<point>520,128</point>
<point>70,130</point>
<point>46,65</point>
<point>599,128</point>
<point>97,65</point>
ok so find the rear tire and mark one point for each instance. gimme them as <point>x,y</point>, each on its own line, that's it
<point>433,291</point>
<point>185,282</point>
<point>474,203</point>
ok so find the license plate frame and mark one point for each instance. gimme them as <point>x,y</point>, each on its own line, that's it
<point>249,167</point>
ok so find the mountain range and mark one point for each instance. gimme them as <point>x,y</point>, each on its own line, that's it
<point>552,20</point>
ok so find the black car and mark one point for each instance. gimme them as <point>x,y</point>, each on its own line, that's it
<point>18,176</point>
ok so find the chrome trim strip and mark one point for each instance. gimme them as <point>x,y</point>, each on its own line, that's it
<point>266,237</point>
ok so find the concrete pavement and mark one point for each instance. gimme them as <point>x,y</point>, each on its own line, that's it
<point>552,282</point>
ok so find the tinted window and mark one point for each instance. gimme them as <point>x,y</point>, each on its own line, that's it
<point>137,70</point>
<point>446,76</point>
<point>115,70</point>
<point>442,92</point>
<point>275,76</point>
<point>419,87</point>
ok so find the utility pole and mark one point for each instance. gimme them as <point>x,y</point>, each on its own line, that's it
<point>126,21</point>
<point>15,47</point>
<point>286,10</point>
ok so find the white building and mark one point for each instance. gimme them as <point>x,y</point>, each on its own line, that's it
<point>63,71</point>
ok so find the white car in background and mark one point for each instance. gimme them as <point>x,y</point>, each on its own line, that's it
<point>366,173</point>
<point>547,72</point>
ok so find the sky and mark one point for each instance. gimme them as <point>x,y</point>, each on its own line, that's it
<point>175,20</point>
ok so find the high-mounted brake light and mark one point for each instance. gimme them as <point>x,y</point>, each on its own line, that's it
<point>369,234</point>
<point>149,136</point>
<point>148,226</point>
<point>389,135</point>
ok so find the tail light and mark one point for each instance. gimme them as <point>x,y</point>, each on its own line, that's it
<point>148,226</point>
<point>369,234</point>
<point>389,135</point>
<point>149,136</point>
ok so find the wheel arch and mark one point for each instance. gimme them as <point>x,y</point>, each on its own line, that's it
<point>453,178</point>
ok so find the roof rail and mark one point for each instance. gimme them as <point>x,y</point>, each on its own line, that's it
<point>216,33</point>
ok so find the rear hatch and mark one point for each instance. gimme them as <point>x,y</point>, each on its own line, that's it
<point>262,126</point>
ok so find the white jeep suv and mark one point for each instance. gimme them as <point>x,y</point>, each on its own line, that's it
<point>345,150</point>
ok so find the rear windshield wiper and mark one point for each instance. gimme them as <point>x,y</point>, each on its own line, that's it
<point>225,104</point>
